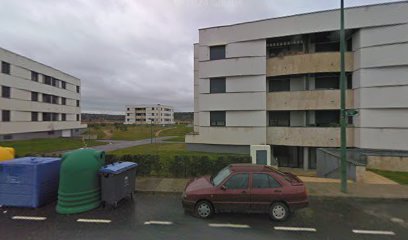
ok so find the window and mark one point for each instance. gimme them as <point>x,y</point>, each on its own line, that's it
<point>47,80</point>
<point>238,181</point>
<point>279,118</point>
<point>46,117</point>
<point>217,119</point>
<point>327,81</point>
<point>34,116</point>
<point>63,84</point>
<point>262,180</point>
<point>46,98</point>
<point>54,116</point>
<point>77,103</point>
<point>77,117</point>
<point>349,77</point>
<point>327,118</point>
<point>279,84</point>
<point>34,96</point>
<point>7,137</point>
<point>217,52</point>
<point>5,115</point>
<point>54,99</point>
<point>5,92</point>
<point>63,101</point>
<point>217,85</point>
<point>5,67</point>
<point>51,132</point>
<point>63,117</point>
<point>34,76</point>
<point>55,82</point>
<point>284,46</point>
<point>78,89</point>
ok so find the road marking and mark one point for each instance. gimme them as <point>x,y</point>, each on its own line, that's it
<point>158,223</point>
<point>85,220</point>
<point>228,225</point>
<point>397,220</point>
<point>29,218</point>
<point>296,229</point>
<point>373,232</point>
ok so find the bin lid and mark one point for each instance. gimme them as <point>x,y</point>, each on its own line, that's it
<point>30,161</point>
<point>117,167</point>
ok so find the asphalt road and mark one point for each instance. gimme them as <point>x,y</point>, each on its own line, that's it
<point>160,216</point>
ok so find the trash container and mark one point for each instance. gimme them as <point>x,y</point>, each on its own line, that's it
<point>29,181</point>
<point>6,153</point>
<point>117,182</point>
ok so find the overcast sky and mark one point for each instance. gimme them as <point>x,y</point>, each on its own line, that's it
<point>130,51</point>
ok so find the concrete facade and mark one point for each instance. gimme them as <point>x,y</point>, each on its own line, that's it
<point>281,83</point>
<point>146,114</point>
<point>36,100</point>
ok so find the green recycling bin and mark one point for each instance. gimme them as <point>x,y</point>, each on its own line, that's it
<point>79,186</point>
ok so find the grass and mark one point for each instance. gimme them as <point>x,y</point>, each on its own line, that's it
<point>165,151</point>
<point>399,177</point>
<point>176,139</point>
<point>47,145</point>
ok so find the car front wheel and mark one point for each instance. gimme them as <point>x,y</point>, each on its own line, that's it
<point>204,209</point>
<point>279,212</point>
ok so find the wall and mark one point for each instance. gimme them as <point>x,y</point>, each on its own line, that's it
<point>388,163</point>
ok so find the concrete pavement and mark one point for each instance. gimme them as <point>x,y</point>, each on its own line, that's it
<point>120,144</point>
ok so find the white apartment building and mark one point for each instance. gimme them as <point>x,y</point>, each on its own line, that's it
<point>151,113</point>
<point>36,100</point>
<point>276,82</point>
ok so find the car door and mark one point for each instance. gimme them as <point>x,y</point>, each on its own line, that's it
<point>264,190</point>
<point>233,194</point>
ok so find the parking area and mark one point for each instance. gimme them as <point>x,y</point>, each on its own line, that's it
<point>160,216</point>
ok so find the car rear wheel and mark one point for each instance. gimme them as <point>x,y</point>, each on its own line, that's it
<point>279,211</point>
<point>204,209</point>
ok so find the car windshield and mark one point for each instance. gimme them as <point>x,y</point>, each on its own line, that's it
<point>221,176</point>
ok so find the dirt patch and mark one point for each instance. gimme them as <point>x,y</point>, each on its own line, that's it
<point>108,134</point>
<point>158,132</point>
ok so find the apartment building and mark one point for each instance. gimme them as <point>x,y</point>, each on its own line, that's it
<point>37,101</point>
<point>276,82</point>
<point>151,113</point>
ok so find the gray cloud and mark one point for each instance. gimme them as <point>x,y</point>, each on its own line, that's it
<point>130,52</point>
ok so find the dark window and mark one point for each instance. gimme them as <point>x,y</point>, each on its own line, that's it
<point>63,84</point>
<point>63,101</point>
<point>217,52</point>
<point>349,77</point>
<point>8,137</point>
<point>5,67</point>
<point>54,116</point>
<point>34,96</point>
<point>34,116</point>
<point>77,103</point>
<point>51,132</point>
<point>78,89</point>
<point>217,118</point>
<point>238,181</point>
<point>279,118</point>
<point>5,92</point>
<point>47,80</point>
<point>289,156</point>
<point>63,117</point>
<point>327,118</point>
<point>327,81</point>
<point>350,120</point>
<point>330,41</point>
<point>284,46</point>
<point>55,82</point>
<point>54,99</point>
<point>128,109</point>
<point>262,180</point>
<point>127,114</point>
<point>77,117</point>
<point>279,84</point>
<point>34,76</point>
<point>46,117</point>
<point>217,85</point>
<point>5,115</point>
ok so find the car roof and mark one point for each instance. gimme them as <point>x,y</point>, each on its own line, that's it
<point>247,167</point>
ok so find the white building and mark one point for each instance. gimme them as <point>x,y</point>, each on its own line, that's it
<point>276,82</point>
<point>37,100</point>
<point>146,114</point>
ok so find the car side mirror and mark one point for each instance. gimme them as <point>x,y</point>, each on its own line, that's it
<point>223,188</point>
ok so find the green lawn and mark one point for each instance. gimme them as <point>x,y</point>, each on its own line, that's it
<point>47,145</point>
<point>399,177</point>
<point>176,139</point>
<point>165,151</point>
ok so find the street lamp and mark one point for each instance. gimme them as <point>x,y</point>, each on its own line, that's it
<point>151,130</point>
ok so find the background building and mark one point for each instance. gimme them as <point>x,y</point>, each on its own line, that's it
<point>36,100</point>
<point>276,82</point>
<point>146,114</point>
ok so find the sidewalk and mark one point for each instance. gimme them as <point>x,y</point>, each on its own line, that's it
<point>316,188</point>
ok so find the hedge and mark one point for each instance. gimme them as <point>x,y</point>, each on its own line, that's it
<point>179,166</point>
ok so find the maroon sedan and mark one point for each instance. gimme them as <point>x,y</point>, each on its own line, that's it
<point>246,188</point>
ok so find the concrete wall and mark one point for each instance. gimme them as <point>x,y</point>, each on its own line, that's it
<point>388,163</point>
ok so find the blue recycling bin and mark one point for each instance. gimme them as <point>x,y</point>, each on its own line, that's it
<point>29,182</point>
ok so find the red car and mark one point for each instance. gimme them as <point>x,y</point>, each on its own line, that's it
<point>246,188</point>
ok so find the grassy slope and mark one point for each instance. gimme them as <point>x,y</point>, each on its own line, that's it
<point>399,177</point>
<point>47,145</point>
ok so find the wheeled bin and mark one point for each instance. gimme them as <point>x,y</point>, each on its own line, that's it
<point>29,181</point>
<point>117,182</point>
<point>6,153</point>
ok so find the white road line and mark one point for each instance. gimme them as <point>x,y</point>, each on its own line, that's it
<point>31,218</point>
<point>373,232</point>
<point>85,220</point>
<point>295,229</point>
<point>228,225</point>
<point>158,223</point>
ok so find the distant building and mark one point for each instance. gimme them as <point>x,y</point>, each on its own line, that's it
<point>36,100</point>
<point>146,114</point>
<point>276,82</point>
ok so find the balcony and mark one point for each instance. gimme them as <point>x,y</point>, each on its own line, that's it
<point>307,100</point>
<point>307,63</point>
<point>308,136</point>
